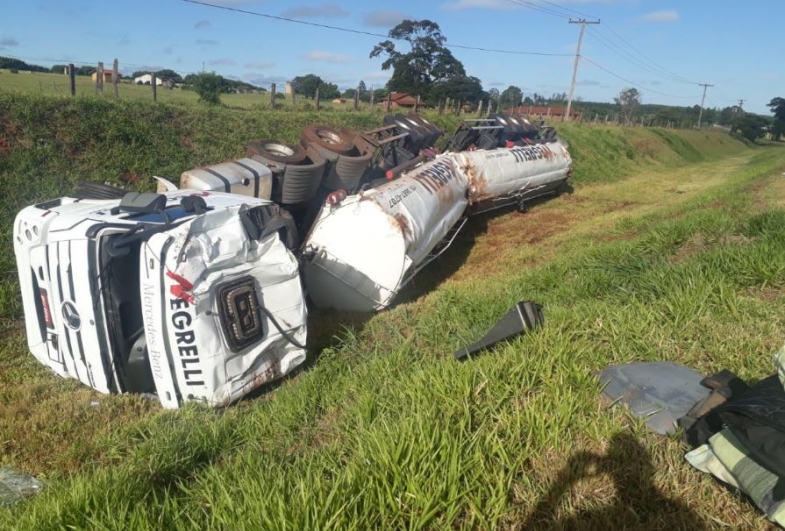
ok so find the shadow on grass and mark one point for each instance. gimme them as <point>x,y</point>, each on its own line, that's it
<point>638,503</point>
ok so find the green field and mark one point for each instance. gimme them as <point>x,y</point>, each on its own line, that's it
<point>669,248</point>
<point>58,85</point>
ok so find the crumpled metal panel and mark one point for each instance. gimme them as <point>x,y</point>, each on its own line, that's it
<point>658,392</point>
<point>210,251</point>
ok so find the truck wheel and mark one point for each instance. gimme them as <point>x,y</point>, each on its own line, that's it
<point>91,190</point>
<point>328,138</point>
<point>275,151</point>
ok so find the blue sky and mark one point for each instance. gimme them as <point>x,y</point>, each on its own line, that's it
<point>657,45</point>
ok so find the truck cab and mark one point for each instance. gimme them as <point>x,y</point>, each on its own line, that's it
<point>191,296</point>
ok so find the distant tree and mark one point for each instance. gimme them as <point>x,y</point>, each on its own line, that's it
<point>466,89</point>
<point>538,99</point>
<point>629,100</point>
<point>306,85</point>
<point>362,88</point>
<point>17,64</point>
<point>58,69</point>
<point>169,74</point>
<point>749,126</point>
<point>493,94</point>
<point>528,101</point>
<point>510,97</point>
<point>348,94</point>
<point>558,97</point>
<point>777,106</point>
<point>426,63</point>
<point>208,86</point>
<point>379,94</point>
<point>85,70</point>
<point>329,91</point>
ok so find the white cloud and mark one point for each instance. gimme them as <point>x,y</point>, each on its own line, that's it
<point>384,18</point>
<point>224,61</point>
<point>322,11</point>
<point>666,15</point>
<point>508,5</point>
<point>488,4</point>
<point>259,65</point>
<point>320,55</point>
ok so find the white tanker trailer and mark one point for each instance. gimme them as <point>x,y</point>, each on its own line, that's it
<point>361,251</point>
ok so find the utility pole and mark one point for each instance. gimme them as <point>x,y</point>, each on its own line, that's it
<point>703,100</point>
<point>582,23</point>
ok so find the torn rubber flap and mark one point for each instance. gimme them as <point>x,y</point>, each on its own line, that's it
<point>524,316</point>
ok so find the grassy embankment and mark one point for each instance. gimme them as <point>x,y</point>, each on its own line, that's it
<point>669,248</point>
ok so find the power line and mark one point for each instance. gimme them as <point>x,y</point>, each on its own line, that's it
<point>647,58</point>
<point>362,32</point>
<point>538,7</point>
<point>626,55</point>
<point>632,82</point>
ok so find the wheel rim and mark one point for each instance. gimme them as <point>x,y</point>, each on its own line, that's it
<point>279,150</point>
<point>329,137</point>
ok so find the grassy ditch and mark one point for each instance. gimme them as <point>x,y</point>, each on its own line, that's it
<point>669,261</point>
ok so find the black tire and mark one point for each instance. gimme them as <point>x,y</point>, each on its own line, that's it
<point>91,190</point>
<point>433,132</point>
<point>341,142</point>
<point>511,129</point>
<point>275,151</point>
<point>300,183</point>
<point>462,140</point>
<point>416,137</point>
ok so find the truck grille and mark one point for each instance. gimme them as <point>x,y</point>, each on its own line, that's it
<point>239,312</point>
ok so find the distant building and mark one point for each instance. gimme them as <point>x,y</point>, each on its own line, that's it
<point>399,100</point>
<point>147,79</point>
<point>107,75</point>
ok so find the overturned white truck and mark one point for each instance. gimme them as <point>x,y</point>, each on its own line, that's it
<point>196,294</point>
<point>188,296</point>
<point>361,251</point>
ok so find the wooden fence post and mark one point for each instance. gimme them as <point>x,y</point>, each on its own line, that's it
<point>447,105</point>
<point>99,79</point>
<point>294,103</point>
<point>356,99</point>
<point>371,98</point>
<point>479,109</point>
<point>389,101</point>
<point>316,97</point>
<point>154,85</point>
<point>416,102</point>
<point>72,76</point>
<point>115,78</point>
<point>272,96</point>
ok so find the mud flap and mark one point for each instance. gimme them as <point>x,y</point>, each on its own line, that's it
<point>523,317</point>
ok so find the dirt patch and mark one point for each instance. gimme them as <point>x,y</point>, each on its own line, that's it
<point>764,294</point>
<point>700,242</point>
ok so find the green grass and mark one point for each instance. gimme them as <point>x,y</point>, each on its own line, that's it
<point>657,259</point>
<point>43,84</point>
